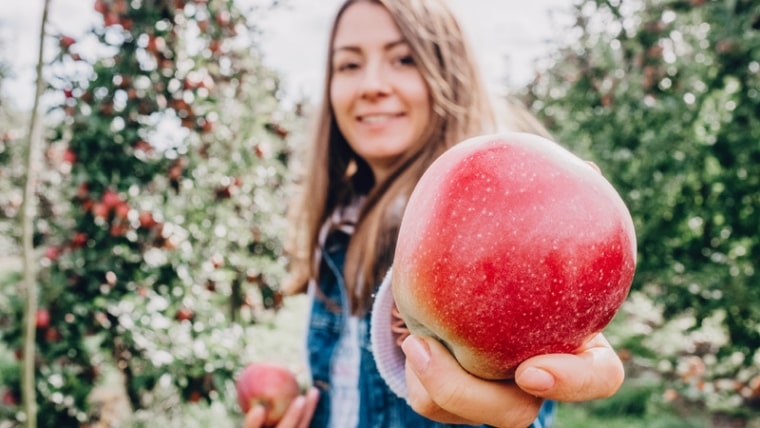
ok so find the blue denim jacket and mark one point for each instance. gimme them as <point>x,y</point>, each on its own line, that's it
<point>379,406</point>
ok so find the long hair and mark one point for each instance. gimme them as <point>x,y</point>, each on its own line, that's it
<point>461,108</point>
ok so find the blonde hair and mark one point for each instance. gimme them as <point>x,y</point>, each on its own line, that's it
<point>461,108</point>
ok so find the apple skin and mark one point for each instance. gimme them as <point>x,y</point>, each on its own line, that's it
<point>267,384</point>
<point>511,247</point>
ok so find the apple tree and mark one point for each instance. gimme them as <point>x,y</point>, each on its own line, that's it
<point>167,176</point>
<point>664,95</point>
<point>12,145</point>
<point>11,171</point>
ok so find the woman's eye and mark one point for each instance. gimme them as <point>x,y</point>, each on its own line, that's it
<point>346,66</point>
<point>406,60</point>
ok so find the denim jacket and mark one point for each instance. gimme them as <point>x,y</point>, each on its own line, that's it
<point>379,407</point>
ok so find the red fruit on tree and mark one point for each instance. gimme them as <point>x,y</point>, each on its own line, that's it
<point>69,156</point>
<point>118,230</point>
<point>195,396</point>
<point>52,253</point>
<point>110,19</point>
<point>146,220</point>
<point>511,247</point>
<point>121,210</point>
<point>52,335</point>
<point>10,399</point>
<point>184,314</point>
<point>100,210</point>
<point>66,42</point>
<point>111,199</point>
<point>83,189</point>
<point>269,385</point>
<point>101,6</point>
<point>79,239</point>
<point>143,146</point>
<point>42,318</point>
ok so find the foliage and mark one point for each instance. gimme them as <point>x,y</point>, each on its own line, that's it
<point>161,209</point>
<point>11,173</point>
<point>664,95</point>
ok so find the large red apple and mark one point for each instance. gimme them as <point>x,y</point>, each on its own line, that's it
<point>510,247</point>
<point>269,385</point>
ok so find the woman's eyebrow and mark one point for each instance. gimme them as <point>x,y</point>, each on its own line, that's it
<point>353,48</point>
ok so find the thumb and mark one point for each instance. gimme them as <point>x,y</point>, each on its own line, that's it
<point>594,372</point>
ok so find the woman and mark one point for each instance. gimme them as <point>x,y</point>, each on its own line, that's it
<point>401,87</point>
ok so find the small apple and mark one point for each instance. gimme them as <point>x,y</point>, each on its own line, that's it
<point>79,239</point>
<point>66,42</point>
<point>147,221</point>
<point>269,385</point>
<point>52,335</point>
<point>111,199</point>
<point>52,253</point>
<point>184,314</point>
<point>9,398</point>
<point>510,247</point>
<point>121,210</point>
<point>69,156</point>
<point>42,318</point>
<point>100,210</point>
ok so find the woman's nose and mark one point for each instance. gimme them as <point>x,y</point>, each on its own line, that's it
<point>375,81</point>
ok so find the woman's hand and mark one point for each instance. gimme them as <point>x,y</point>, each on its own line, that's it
<point>298,415</point>
<point>440,389</point>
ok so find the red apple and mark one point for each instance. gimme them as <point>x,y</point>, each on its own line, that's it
<point>100,210</point>
<point>269,385</point>
<point>184,314</point>
<point>79,239</point>
<point>9,398</point>
<point>42,318</point>
<point>121,209</point>
<point>66,42</point>
<point>111,199</point>
<point>511,247</point>
<point>69,156</point>
<point>52,253</point>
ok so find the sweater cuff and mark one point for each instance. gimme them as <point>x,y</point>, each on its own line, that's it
<point>389,357</point>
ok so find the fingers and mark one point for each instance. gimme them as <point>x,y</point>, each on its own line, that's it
<point>594,371</point>
<point>300,411</point>
<point>298,415</point>
<point>292,417</point>
<point>255,417</point>
<point>441,390</point>
<point>310,405</point>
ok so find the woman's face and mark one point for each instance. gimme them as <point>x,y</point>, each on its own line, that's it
<point>380,99</point>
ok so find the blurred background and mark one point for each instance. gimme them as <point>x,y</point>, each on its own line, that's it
<point>169,141</point>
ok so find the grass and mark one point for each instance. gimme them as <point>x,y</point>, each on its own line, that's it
<point>638,403</point>
<point>580,416</point>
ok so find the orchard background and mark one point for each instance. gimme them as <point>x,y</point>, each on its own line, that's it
<point>168,159</point>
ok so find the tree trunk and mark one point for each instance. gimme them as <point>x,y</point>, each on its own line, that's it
<point>27,234</point>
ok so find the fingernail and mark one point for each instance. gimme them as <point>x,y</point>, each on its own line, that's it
<point>299,401</point>
<point>417,353</point>
<point>536,379</point>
